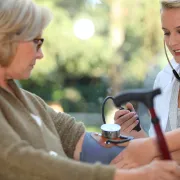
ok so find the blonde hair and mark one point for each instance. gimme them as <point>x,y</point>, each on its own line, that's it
<point>20,20</point>
<point>169,4</point>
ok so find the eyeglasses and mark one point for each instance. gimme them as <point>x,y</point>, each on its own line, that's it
<point>38,42</point>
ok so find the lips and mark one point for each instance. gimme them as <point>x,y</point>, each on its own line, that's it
<point>177,51</point>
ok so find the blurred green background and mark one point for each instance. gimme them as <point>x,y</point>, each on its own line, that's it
<point>94,49</point>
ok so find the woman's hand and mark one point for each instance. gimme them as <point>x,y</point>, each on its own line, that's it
<point>127,119</point>
<point>157,170</point>
<point>138,152</point>
<point>161,170</point>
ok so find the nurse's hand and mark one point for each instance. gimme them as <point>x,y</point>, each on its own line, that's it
<point>127,119</point>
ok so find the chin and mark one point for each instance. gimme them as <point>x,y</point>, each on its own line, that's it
<point>177,59</point>
<point>22,76</point>
<point>25,77</point>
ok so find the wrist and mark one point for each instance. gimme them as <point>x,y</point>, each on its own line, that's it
<point>140,134</point>
<point>153,147</point>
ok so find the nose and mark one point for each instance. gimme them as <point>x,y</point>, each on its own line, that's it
<point>39,54</point>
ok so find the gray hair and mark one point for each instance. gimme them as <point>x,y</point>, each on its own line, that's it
<point>20,20</point>
<point>169,4</point>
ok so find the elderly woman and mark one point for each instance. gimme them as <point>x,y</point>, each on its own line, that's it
<point>36,142</point>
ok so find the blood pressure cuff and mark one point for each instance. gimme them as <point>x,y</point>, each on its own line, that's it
<point>93,152</point>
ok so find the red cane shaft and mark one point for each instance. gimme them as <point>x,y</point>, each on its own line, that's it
<point>162,145</point>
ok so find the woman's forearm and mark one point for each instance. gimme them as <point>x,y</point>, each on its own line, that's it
<point>176,156</point>
<point>172,139</point>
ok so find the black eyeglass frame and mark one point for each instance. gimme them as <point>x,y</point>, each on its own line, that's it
<point>39,45</point>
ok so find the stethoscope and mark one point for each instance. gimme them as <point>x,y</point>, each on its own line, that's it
<point>147,98</point>
<point>173,70</point>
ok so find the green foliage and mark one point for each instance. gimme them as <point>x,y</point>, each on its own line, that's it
<point>69,58</point>
<point>64,52</point>
<point>143,38</point>
<point>93,129</point>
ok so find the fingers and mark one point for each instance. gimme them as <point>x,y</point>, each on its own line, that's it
<point>172,167</point>
<point>127,119</point>
<point>120,113</point>
<point>165,170</point>
<point>167,176</point>
<point>129,126</point>
<point>124,116</point>
<point>128,122</point>
<point>130,106</point>
<point>130,165</point>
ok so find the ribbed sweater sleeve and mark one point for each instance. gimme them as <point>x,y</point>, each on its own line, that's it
<point>67,127</point>
<point>69,131</point>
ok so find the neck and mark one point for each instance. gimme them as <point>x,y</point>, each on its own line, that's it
<point>5,85</point>
<point>4,81</point>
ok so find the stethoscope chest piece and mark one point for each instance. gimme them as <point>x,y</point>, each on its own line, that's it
<point>110,131</point>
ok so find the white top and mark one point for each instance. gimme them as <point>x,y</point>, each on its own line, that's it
<point>165,81</point>
<point>174,111</point>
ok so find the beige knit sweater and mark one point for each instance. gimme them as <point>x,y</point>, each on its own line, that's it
<point>36,143</point>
